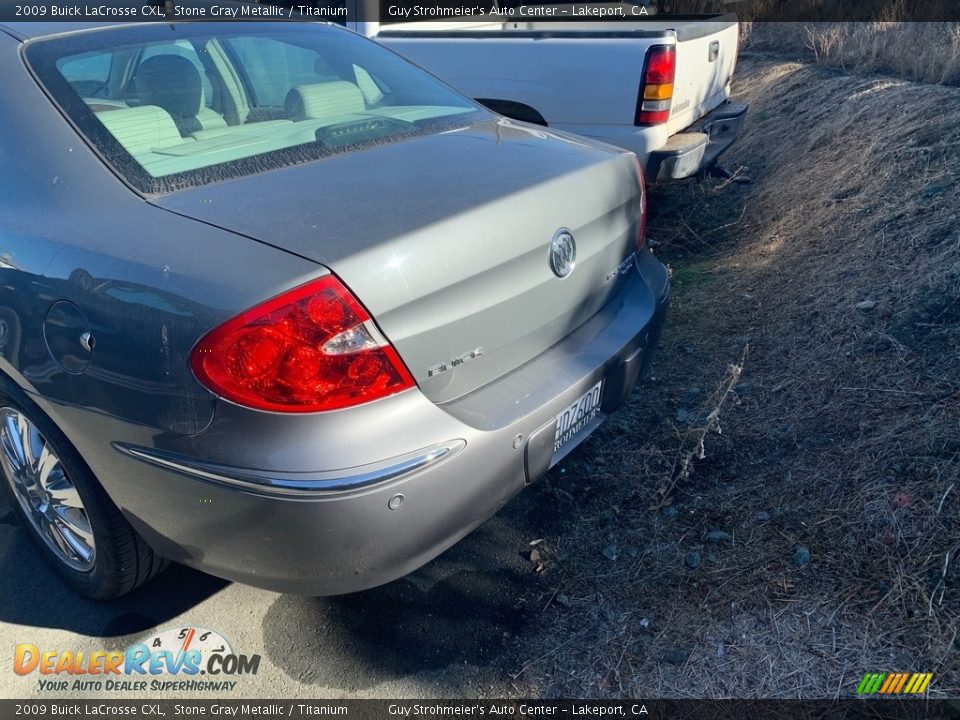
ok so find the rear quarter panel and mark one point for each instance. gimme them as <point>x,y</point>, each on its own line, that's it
<point>149,282</point>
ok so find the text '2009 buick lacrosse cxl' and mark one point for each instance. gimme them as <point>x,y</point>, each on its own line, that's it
<point>279,305</point>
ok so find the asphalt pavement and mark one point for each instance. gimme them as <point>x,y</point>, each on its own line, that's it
<point>452,629</point>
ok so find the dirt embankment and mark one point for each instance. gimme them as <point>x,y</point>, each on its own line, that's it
<point>816,540</point>
<point>919,51</point>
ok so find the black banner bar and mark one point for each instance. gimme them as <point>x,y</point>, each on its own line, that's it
<point>45,709</point>
<point>391,11</point>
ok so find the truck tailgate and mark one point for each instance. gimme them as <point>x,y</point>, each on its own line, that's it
<point>706,59</point>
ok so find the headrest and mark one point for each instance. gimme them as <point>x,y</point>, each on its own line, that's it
<point>324,100</point>
<point>141,129</point>
<point>171,82</point>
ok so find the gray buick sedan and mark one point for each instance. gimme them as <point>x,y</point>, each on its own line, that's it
<point>279,305</point>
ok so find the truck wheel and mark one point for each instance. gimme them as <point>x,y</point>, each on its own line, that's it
<point>64,509</point>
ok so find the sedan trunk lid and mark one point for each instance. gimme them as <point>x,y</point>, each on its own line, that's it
<point>446,239</point>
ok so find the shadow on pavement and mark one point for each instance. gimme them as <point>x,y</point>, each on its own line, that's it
<point>462,622</point>
<point>467,608</point>
<point>32,594</point>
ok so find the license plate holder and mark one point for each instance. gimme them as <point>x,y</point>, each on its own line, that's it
<point>575,417</point>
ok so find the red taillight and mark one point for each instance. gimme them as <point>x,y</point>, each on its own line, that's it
<point>642,222</point>
<point>656,88</point>
<point>308,350</point>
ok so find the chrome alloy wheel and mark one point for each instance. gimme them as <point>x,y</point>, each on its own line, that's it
<point>44,491</point>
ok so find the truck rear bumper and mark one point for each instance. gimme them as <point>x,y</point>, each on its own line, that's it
<point>700,146</point>
<point>679,156</point>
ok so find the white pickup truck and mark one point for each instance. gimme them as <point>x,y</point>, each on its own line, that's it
<point>657,86</point>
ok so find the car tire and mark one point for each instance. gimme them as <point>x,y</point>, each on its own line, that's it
<point>64,508</point>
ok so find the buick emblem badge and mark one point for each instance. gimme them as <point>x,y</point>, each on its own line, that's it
<point>563,253</point>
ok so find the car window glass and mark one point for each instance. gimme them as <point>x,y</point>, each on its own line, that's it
<point>88,73</point>
<point>186,50</point>
<point>274,68</point>
<point>372,91</point>
<point>256,97</point>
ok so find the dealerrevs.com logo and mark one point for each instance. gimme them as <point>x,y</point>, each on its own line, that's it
<point>193,659</point>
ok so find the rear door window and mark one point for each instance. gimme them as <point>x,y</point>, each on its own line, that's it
<point>88,73</point>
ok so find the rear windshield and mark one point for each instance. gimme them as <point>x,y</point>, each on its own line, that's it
<point>178,106</point>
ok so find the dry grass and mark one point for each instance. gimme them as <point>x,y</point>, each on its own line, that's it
<point>844,437</point>
<point>920,52</point>
<point>840,10</point>
<point>816,31</point>
<point>843,10</point>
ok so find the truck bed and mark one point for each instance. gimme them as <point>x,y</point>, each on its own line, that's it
<point>578,76</point>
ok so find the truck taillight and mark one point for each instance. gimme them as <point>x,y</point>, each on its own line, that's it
<point>656,87</point>
<point>311,349</point>
<point>642,222</point>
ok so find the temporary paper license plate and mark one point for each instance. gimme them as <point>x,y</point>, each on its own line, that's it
<point>577,415</point>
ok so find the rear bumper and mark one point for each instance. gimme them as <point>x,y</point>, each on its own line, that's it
<point>244,499</point>
<point>700,146</point>
<point>673,157</point>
